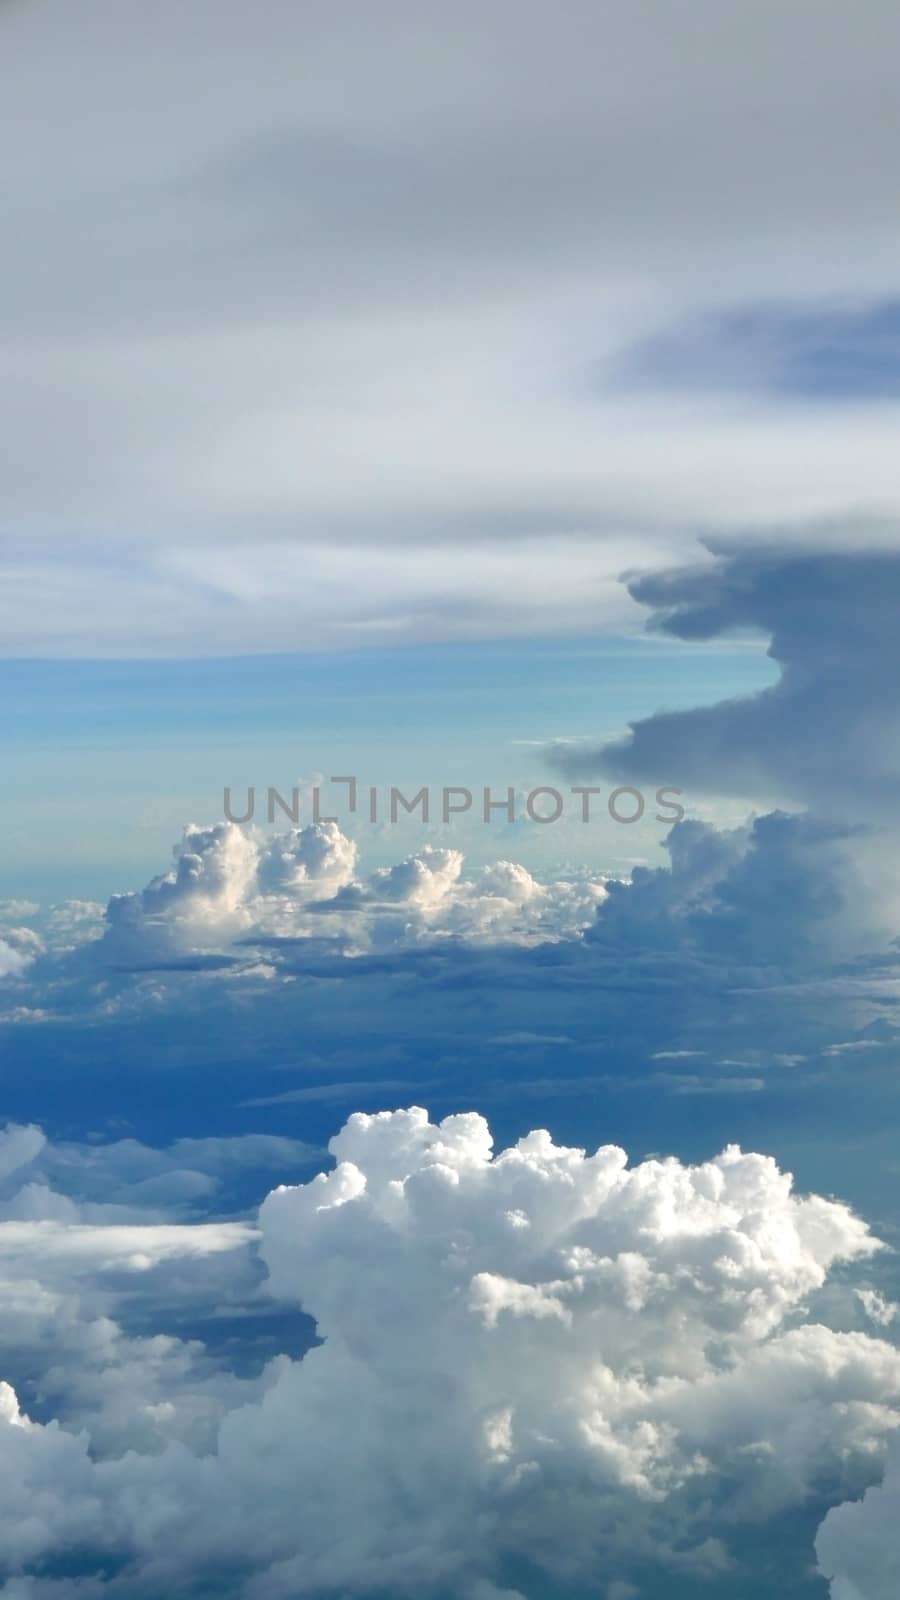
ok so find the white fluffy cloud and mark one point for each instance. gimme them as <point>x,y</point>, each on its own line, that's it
<point>653,1302</point>
<point>201,900</point>
<point>233,884</point>
<point>539,1354</point>
<point>13,960</point>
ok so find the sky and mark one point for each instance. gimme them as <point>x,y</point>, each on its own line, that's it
<point>108,760</point>
<point>495,406</point>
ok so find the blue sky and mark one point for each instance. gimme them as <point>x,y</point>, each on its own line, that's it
<point>111,758</point>
<point>500,397</point>
<point>791,352</point>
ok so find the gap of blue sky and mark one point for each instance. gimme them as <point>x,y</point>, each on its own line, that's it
<point>107,760</point>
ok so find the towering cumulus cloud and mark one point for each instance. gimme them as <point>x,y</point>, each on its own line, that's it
<point>824,740</point>
<point>232,884</point>
<point>827,735</point>
<point>536,1366</point>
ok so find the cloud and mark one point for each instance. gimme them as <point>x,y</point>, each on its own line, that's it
<point>104,1291</point>
<point>121,1181</point>
<point>234,889</point>
<point>380,353</point>
<point>858,1545</point>
<point>683,1393</point>
<point>13,962</point>
<point>877,1309</point>
<point>200,900</point>
<point>18,1148</point>
<point>830,618</point>
<point>426,896</point>
<point>779,893</point>
<point>756,946</point>
<point>135,1248</point>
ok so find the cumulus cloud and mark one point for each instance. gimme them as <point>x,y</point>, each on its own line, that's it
<point>653,1302</point>
<point>426,896</point>
<point>830,617</point>
<point>28,931</point>
<point>232,886</point>
<point>682,1390</point>
<point>317,858</point>
<point>202,898</point>
<point>757,946</point>
<point>780,893</point>
<point>823,740</point>
<point>13,961</point>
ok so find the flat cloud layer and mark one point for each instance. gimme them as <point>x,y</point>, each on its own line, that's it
<point>372,338</point>
<point>681,1392</point>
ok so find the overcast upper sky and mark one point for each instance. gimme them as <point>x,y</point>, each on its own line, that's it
<point>329,324</point>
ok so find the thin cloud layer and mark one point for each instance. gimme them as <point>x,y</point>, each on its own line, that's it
<point>323,361</point>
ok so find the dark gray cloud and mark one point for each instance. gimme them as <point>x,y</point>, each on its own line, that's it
<point>772,896</point>
<point>825,739</point>
<point>827,735</point>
